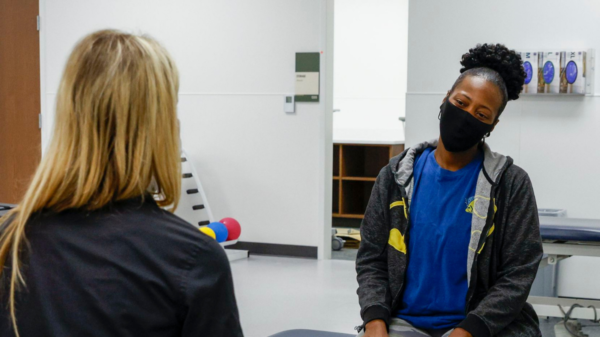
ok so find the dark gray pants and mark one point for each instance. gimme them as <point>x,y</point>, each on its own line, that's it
<point>401,328</point>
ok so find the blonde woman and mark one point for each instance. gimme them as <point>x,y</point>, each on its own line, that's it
<point>90,251</point>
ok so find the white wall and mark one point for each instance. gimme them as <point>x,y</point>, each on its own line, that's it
<point>370,65</point>
<point>552,138</point>
<point>236,60</point>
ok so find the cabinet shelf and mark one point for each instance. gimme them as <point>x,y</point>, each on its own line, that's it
<point>359,178</point>
<point>363,161</point>
<point>348,216</point>
<point>355,169</point>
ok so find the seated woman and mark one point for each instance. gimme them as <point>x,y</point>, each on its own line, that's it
<point>450,240</point>
<point>89,251</point>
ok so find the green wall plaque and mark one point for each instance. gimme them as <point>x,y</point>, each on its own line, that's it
<point>307,77</point>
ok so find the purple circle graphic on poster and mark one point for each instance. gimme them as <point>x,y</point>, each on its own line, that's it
<point>528,71</point>
<point>571,72</point>
<point>548,72</point>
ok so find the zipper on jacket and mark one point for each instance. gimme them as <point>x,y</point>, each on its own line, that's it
<point>489,223</point>
<point>404,197</point>
<point>484,237</point>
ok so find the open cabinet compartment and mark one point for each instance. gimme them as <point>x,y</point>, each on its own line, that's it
<point>356,196</point>
<point>364,161</point>
<point>336,161</point>
<point>335,209</point>
<point>355,168</point>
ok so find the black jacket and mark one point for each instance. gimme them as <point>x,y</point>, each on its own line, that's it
<point>129,269</point>
<point>504,252</point>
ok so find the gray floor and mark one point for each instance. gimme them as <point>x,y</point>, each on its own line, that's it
<point>276,294</point>
<point>344,254</point>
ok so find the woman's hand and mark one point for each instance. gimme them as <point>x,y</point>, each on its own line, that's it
<point>376,328</point>
<point>458,332</point>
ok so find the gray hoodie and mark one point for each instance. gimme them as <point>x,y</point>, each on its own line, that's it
<point>504,251</point>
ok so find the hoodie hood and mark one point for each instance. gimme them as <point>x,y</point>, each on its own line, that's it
<point>494,164</point>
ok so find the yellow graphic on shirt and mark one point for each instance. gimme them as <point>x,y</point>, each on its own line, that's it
<point>471,206</point>
<point>396,240</point>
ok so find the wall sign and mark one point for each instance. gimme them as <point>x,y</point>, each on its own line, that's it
<point>307,77</point>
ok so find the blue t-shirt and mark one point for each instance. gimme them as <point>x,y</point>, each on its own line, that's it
<point>435,287</point>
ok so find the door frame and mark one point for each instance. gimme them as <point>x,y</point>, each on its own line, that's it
<point>326,132</point>
<point>46,127</point>
<point>22,167</point>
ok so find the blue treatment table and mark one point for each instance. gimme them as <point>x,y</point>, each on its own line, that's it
<point>563,238</point>
<point>567,229</point>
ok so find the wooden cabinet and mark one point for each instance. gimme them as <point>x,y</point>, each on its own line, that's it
<point>355,168</point>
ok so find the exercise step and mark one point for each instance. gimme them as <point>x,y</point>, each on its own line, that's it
<point>187,175</point>
<point>197,207</point>
<point>192,191</point>
<point>203,223</point>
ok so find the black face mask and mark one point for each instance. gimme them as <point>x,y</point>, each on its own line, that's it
<point>460,131</point>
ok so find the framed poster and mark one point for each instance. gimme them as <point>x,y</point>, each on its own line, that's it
<point>307,77</point>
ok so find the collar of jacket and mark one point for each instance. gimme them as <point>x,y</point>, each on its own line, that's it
<point>483,206</point>
<point>494,164</point>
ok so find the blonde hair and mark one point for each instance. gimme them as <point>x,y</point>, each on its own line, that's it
<point>115,138</point>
